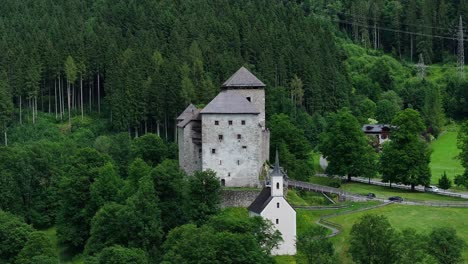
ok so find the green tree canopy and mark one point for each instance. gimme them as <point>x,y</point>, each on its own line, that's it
<point>38,249</point>
<point>445,246</point>
<point>346,148</point>
<point>373,240</point>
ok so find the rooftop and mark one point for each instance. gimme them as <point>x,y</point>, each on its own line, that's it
<point>261,201</point>
<point>377,128</point>
<point>228,102</point>
<point>243,78</point>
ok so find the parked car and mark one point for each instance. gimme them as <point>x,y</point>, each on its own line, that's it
<point>371,195</point>
<point>431,188</point>
<point>396,199</point>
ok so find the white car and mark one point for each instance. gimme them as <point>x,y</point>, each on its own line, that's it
<point>431,188</point>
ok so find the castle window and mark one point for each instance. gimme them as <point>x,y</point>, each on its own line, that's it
<point>223,182</point>
<point>220,137</point>
<point>277,185</point>
<point>229,174</point>
<point>244,147</point>
<point>277,221</point>
<point>213,151</point>
<point>220,162</point>
<point>277,205</point>
<point>239,136</point>
<point>238,162</point>
<point>230,122</point>
<point>249,99</point>
<point>243,122</point>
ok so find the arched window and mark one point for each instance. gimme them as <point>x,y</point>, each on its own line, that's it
<point>277,185</point>
<point>277,221</point>
<point>277,205</point>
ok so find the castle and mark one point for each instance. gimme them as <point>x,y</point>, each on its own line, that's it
<point>229,135</point>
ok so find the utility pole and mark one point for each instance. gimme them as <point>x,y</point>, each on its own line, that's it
<point>461,51</point>
<point>421,67</point>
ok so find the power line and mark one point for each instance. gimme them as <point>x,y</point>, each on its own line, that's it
<point>461,51</point>
<point>396,30</point>
<point>405,24</point>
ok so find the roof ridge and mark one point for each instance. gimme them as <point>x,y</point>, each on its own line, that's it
<point>243,78</point>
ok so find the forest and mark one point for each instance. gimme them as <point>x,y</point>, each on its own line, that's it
<point>90,90</point>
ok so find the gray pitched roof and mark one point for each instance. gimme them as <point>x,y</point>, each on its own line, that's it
<point>276,169</point>
<point>194,117</point>
<point>377,129</point>
<point>228,102</point>
<point>261,201</point>
<point>187,112</point>
<point>243,78</point>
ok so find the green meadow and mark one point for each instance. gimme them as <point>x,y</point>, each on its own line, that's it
<point>444,156</point>
<point>421,218</point>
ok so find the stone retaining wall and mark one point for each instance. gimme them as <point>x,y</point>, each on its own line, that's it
<point>239,198</point>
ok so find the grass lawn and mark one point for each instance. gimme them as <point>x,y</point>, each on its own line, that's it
<point>444,155</point>
<point>385,192</point>
<point>421,218</point>
<point>297,197</point>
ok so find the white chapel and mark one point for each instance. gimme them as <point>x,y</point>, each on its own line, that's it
<point>271,204</point>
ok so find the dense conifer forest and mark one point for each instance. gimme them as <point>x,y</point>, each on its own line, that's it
<point>89,93</point>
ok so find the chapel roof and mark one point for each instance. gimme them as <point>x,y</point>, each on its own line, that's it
<point>243,78</point>
<point>276,169</point>
<point>261,201</point>
<point>228,102</point>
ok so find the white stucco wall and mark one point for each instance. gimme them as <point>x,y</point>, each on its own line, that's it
<point>287,224</point>
<point>238,166</point>
<point>257,97</point>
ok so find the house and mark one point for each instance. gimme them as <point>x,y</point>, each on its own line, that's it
<point>381,132</point>
<point>229,135</point>
<point>271,205</point>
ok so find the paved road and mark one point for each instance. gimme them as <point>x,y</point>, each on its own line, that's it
<point>323,164</point>
<point>361,198</point>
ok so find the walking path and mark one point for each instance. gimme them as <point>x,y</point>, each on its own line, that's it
<point>337,228</point>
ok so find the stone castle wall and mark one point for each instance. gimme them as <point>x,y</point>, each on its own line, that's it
<point>239,198</point>
<point>236,161</point>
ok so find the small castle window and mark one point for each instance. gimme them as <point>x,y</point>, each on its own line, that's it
<point>243,122</point>
<point>220,162</point>
<point>229,174</point>
<point>277,205</point>
<point>238,162</point>
<point>249,99</point>
<point>230,122</point>
<point>277,221</point>
<point>239,136</point>
<point>220,137</point>
<point>277,185</point>
<point>213,151</point>
<point>244,147</point>
<point>223,182</point>
<point>216,122</point>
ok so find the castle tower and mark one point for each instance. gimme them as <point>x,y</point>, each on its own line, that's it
<point>229,135</point>
<point>244,83</point>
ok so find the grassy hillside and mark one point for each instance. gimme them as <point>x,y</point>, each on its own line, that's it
<point>423,219</point>
<point>444,156</point>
